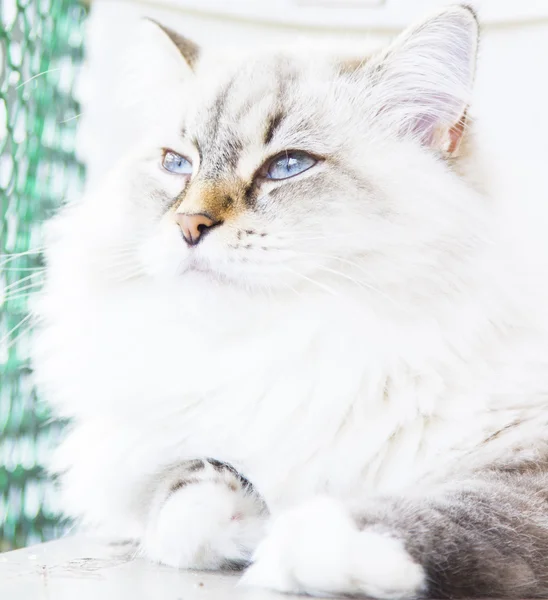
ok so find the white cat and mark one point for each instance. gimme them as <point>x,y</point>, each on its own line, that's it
<point>304,325</point>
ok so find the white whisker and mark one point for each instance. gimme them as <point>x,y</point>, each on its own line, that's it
<point>137,273</point>
<point>37,75</point>
<point>20,293</point>
<point>21,269</point>
<point>120,265</point>
<point>17,255</point>
<point>122,250</point>
<point>21,322</point>
<point>14,340</point>
<point>19,296</point>
<point>357,266</point>
<point>290,287</point>
<point>33,284</point>
<point>322,286</point>
<point>70,119</point>
<point>17,283</point>
<point>357,282</point>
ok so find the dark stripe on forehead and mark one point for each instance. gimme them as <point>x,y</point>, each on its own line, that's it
<point>220,142</point>
<point>286,75</point>
<point>218,108</point>
<point>231,152</point>
<point>221,145</point>
<point>273,124</point>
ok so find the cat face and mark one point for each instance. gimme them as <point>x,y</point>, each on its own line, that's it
<point>293,169</point>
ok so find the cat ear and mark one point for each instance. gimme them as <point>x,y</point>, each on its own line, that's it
<point>423,82</point>
<point>143,87</point>
<point>187,48</point>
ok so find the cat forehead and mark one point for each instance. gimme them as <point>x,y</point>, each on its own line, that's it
<point>247,93</point>
<point>246,106</point>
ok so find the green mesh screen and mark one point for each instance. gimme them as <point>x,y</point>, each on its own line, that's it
<point>40,49</point>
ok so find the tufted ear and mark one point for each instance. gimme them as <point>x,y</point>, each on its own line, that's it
<point>423,82</point>
<point>187,48</point>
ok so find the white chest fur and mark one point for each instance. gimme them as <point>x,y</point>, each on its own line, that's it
<point>302,395</point>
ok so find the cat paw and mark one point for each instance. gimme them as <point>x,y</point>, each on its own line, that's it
<point>317,549</point>
<point>204,516</point>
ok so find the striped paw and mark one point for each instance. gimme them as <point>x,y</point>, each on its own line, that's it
<point>205,515</point>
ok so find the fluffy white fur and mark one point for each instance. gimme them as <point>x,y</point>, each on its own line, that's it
<point>388,331</point>
<point>317,549</point>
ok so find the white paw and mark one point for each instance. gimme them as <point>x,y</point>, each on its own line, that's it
<point>204,524</point>
<point>317,549</point>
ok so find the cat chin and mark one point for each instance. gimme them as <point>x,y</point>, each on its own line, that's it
<point>199,271</point>
<point>201,276</point>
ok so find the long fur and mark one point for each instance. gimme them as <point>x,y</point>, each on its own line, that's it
<point>373,330</point>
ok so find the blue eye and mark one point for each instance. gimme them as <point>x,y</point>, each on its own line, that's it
<point>289,164</point>
<point>175,163</point>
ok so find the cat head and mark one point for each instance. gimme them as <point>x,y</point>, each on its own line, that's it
<point>299,168</point>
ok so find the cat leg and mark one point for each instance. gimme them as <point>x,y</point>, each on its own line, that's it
<point>487,536</point>
<point>204,515</point>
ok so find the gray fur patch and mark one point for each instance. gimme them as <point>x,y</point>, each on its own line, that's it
<point>484,536</point>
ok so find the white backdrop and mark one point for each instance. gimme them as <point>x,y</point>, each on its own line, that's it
<point>512,82</point>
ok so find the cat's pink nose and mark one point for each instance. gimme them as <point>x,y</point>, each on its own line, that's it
<point>195,226</point>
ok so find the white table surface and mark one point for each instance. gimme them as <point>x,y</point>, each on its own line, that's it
<point>80,568</point>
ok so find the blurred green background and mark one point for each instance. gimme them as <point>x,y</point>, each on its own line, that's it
<point>40,52</point>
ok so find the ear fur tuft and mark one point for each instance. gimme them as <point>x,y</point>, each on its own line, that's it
<point>424,80</point>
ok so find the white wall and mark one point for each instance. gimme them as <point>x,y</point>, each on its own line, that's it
<point>512,82</point>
